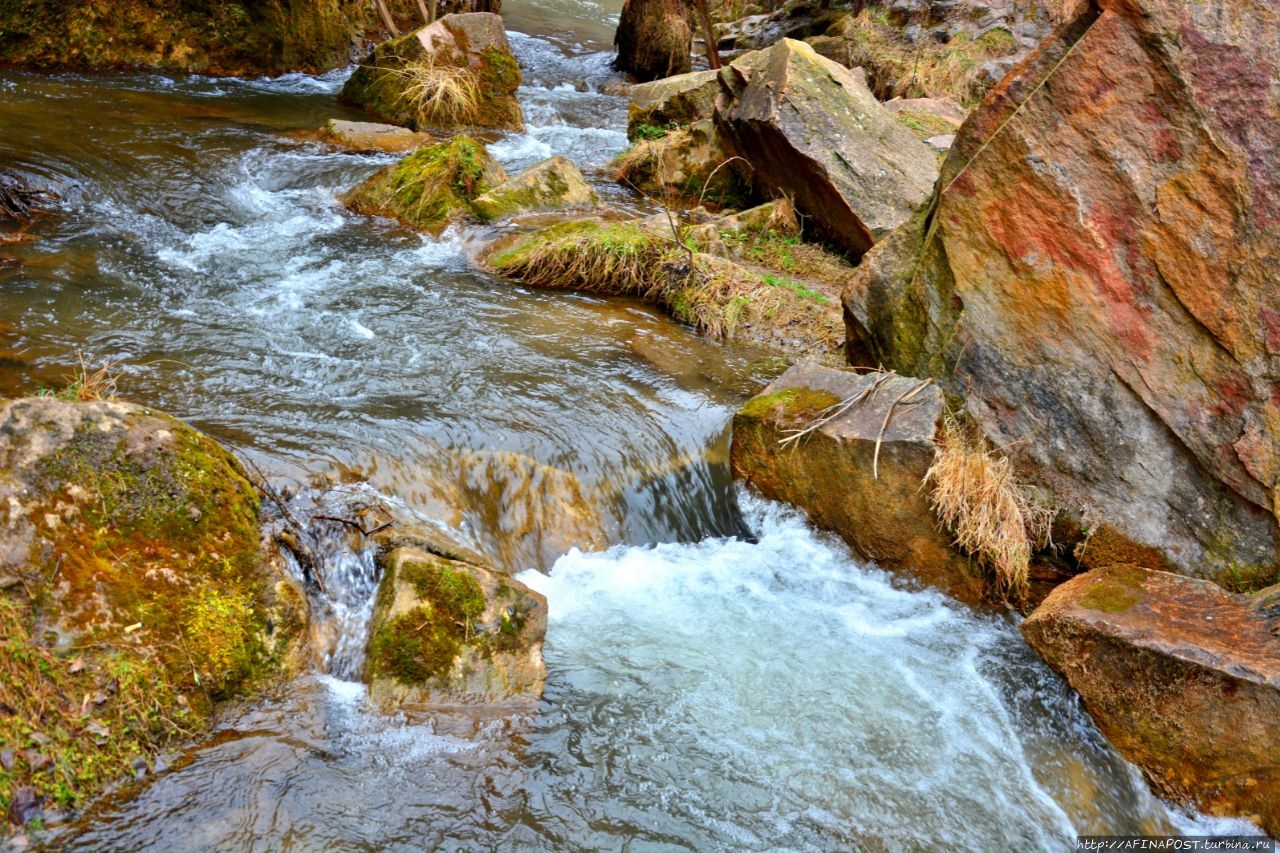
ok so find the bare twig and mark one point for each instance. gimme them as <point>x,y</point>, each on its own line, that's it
<point>834,411</point>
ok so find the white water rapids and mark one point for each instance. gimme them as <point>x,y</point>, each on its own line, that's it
<point>708,689</point>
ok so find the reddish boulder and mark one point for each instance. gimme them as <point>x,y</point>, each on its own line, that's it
<point>1098,272</point>
<point>1182,677</point>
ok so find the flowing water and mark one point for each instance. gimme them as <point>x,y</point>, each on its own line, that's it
<point>721,678</point>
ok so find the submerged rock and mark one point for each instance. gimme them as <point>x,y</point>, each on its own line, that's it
<point>448,633</point>
<point>432,187</point>
<point>1106,297</point>
<point>371,136</point>
<point>1182,677</point>
<point>458,72</point>
<point>553,184</point>
<point>139,593</point>
<point>532,513</point>
<point>861,473</point>
<point>813,132</point>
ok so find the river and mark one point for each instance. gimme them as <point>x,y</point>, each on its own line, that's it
<point>722,677</point>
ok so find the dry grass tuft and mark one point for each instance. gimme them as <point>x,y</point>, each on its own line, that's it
<point>897,68</point>
<point>438,95</point>
<point>86,384</point>
<point>976,495</point>
<point>713,294</point>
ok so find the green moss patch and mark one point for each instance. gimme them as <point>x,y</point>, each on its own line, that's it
<point>248,37</point>
<point>789,406</point>
<point>421,644</point>
<point>1119,589</point>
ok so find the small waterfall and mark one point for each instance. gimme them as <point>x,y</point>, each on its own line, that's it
<point>323,535</point>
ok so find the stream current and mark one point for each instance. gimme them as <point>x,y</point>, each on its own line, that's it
<point>722,677</point>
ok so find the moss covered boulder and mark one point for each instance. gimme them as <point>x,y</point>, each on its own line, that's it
<point>135,596</point>
<point>1182,677</point>
<point>209,36</point>
<point>554,184</point>
<point>861,473</point>
<point>458,72</point>
<point>447,633</point>
<point>432,187</point>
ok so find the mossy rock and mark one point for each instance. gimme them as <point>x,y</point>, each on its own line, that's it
<point>458,72</point>
<point>553,184</point>
<point>137,595</point>
<point>446,632</point>
<point>432,187</point>
<point>248,37</point>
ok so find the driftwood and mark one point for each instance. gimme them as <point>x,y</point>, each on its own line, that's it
<point>19,202</point>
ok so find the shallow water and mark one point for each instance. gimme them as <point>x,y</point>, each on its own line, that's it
<point>722,678</point>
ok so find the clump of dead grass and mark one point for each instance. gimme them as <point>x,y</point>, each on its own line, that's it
<point>713,294</point>
<point>897,68</point>
<point>975,494</point>
<point>86,383</point>
<point>438,95</point>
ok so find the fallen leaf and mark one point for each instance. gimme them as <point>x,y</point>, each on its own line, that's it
<point>76,666</point>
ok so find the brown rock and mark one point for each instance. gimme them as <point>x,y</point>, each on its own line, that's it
<point>684,165</point>
<point>679,101</point>
<point>1182,677</point>
<point>830,475</point>
<point>457,72</point>
<point>371,136</point>
<point>1099,269</point>
<point>812,131</point>
<point>447,633</point>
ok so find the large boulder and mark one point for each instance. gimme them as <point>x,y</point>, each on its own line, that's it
<point>432,187</point>
<point>135,593</point>
<point>1182,677</point>
<point>553,184</point>
<point>860,473</point>
<point>448,633</point>
<point>207,36</point>
<point>457,72</point>
<point>653,39</point>
<point>812,131</point>
<point>1099,273</point>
